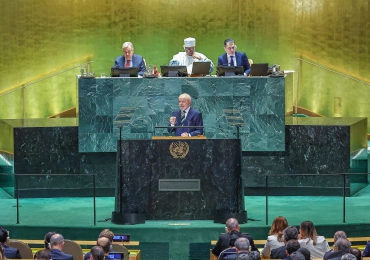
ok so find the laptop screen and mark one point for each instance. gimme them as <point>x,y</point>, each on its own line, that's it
<point>174,71</point>
<point>259,69</point>
<point>117,256</point>
<point>201,68</point>
<point>124,72</point>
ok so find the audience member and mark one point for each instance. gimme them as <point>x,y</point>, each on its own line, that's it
<point>339,234</point>
<point>308,238</point>
<point>9,252</point>
<point>43,255</point>
<point>189,56</point>
<point>107,234</point>
<point>243,256</point>
<point>292,246</point>
<point>348,257</point>
<point>231,249</point>
<point>275,238</point>
<point>47,239</point>
<point>223,242</point>
<point>57,244</point>
<point>241,246</point>
<point>289,233</point>
<point>366,250</point>
<point>296,256</point>
<point>341,247</point>
<point>97,253</point>
<point>2,256</point>
<point>356,253</point>
<point>305,252</point>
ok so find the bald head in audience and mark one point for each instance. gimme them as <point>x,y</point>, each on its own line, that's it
<point>105,244</point>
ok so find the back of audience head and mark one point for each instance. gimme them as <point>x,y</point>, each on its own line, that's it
<point>232,224</point>
<point>296,256</point>
<point>107,233</point>
<point>4,234</point>
<point>233,238</point>
<point>308,230</point>
<point>339,234</point>
<point>57,240</point>
<point>242,244</point>
<point>97,253</point>
<point>292,246</point>
<point>342,244</point>
<point>356,253</point>
<point>254,255</point>
<point>348,257</point>
<point>290,232</point>
<point>43,255</point>
<point>104,243</point>
<point>305,252</point>
<point>47,239</point>
<point>1,252</point>
<point>278,225</point>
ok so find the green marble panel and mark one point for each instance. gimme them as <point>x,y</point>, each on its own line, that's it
<point>260,101</point>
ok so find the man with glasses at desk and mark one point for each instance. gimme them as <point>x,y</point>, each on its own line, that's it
<point>234,58</point>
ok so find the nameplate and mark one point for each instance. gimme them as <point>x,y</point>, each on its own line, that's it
<point>179,184</point>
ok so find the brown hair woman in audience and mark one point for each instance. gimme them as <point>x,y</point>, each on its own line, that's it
<point>275,238</point>
<point>308,238</point>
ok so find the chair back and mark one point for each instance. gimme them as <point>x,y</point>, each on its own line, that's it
<point>74,249</point>
<point>121,248</point>
<point>24,249</point>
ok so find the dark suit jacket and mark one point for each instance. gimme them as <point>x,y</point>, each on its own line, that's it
<point>56,254</point>
<point>194,118</point>
<point>241,60</point>
<point>137,61</point>
<point>366,250</point>
<point>223,242</point>
<point>278,253</point>
<point>11,252</point>
<point>334,255</point>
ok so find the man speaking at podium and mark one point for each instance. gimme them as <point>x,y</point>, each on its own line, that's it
<point>186,116</point>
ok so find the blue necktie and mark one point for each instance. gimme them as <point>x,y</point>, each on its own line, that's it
<point>182,117</point>
<point>231,61</point>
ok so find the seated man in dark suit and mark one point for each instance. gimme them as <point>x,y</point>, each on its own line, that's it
<point>9,252</point>
<point>43,255</point>
<point>234,58</point>
<point>57,244</point>
<point>291,247</point>
<point>106,233</point>
<point>129,59</point>
<point>340,248</point>
<point>242,248</point>
<point>232,227</point>
<point>186,116</point>
<point>289,233</point>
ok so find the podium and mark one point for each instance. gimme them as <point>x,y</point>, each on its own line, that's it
<point>173,178</point>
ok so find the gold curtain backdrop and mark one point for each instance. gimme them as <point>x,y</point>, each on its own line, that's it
<point>42,37</point>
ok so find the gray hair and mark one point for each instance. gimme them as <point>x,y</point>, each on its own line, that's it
<point>343,244</point>
<point>339,234</point>
<point>296,256</point>
<point>290,232</point>
<point>97,253</point>
<point>188,97</point>
<point>243,256</point>
<point>242,244</point>
<point>255,255</point>
<point>56,239</point>
<point>127,44</point>
<point>348,257</point>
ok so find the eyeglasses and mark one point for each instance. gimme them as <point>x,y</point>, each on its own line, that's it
<point>231,47</point>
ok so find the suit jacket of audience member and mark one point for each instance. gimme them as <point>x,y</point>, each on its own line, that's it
<point>366,250</point>
<point>137,61</point>
<point>11,252</point>
<point>223,242</point>
<point>226,252</point>
<point>278,253</point>
<point>56,254</point>
<point>193,118</point>
<point>241,60</point>
<point>87,256</point>
<point>334,255</point>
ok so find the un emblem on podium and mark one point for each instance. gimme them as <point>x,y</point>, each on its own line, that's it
<point>179,149</point>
